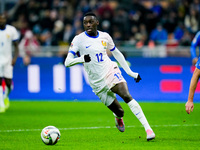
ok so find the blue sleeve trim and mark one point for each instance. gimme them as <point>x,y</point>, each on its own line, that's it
<point>72,52</point>
<point>15,40</point>
<point>112,49</point>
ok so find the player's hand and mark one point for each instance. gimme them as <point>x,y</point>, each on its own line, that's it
<point>189,106</point>
<point>138,78</point>
<point>87,58</point>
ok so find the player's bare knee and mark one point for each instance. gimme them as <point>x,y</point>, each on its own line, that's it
<point>0,81</point>
<point>127,97</point>
<point>8,82</point>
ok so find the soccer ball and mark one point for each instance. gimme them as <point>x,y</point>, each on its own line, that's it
<point>50,135</point>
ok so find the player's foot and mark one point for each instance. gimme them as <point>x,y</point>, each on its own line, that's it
<point>6,102</point>
<point>150,135</point>
<point>120,124</point>
<point>2,109</point>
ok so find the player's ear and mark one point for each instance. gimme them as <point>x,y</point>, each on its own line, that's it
<point>97,22</point>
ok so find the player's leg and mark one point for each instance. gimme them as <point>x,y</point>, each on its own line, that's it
<point>108,98</point>
<point>116,108</point>
<point>2,106</point>
<point>8,89</point>
<point>118,112</point>
<point>8,75</point>
<point>122,90</point>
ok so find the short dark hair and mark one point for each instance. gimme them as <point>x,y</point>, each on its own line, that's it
<point>90,14</point>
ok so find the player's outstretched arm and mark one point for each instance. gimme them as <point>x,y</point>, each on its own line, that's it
<point>120,58</point>
<point>71,61</point>
<point>193,84</point>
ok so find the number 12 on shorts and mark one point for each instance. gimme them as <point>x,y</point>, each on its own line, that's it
<point>118,75</point>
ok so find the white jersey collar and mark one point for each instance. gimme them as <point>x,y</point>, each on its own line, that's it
<point>92,36</point>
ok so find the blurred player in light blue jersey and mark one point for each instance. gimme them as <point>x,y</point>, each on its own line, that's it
<point>189,106</point>
<point>104,75</point>
<point>8,36</point>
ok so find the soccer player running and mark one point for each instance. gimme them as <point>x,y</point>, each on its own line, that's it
<point>189,106</point>
<point>8,36</point>
<point>105,78</point>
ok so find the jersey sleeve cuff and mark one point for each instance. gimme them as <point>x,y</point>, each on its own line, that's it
<point>112,49</point>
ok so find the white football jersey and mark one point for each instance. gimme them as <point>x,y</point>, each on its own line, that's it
<point>100,64</point>
<point>7,36</point>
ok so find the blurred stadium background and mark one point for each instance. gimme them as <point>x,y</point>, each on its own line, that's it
<point>154,35</point>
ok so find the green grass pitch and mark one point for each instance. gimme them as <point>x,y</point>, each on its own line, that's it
<point>90,126</point>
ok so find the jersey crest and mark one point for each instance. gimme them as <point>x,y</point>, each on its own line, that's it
<point>7,36</point>
<point>71,45</point>
<point>104,44</point>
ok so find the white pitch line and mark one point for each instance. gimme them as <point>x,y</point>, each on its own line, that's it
<point>101,127</point>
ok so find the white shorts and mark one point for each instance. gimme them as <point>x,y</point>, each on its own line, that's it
<point>114,77</point>
<point>6,71</point>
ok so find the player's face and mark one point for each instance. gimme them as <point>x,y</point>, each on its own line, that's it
<point>2,21</point>
<point>90,25</point>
